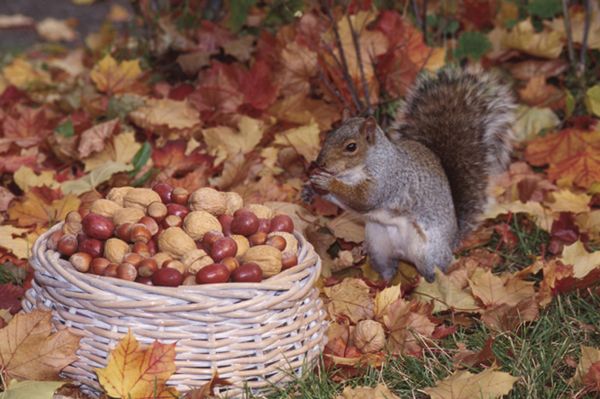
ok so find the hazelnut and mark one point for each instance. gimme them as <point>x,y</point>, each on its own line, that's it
<point>369,336</point>
<point>198,223</point>
<point>91,246</point>
<point>127,215</point>
<point>99,265</point>
<point>142,249</point>
<point>172,221</point>
<point>233,202</point>
<point>115,249</point>
<point>150,224</point>
<point>127,271</point>
<point>175,264</point>
<point>123,231</point>
<point>180,196</point>
<point>133,258</point>
<point>111,270</point>
<point>265,256</point>
<point>276,242</point>
<point>81,261</point>
<point>52,242</point>
<point>157,210</point>
<point>139,232</point>
<point>231,263</point>
<point>288,260</point>
<point>291,242</point>
<point>258,238</point>
<point>209,200</point>
<point>261,211</point>
<point>117,194</point>
<point>147,267</point>
<point>105,207</point>
<point>67,245</point>
<point>140,198</point>
<point>161,257</point>
<point>242,244</point>
<point>176,242</point>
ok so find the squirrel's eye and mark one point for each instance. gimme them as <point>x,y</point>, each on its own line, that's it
<point>351,147</point>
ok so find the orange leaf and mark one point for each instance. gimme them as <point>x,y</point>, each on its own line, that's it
<point>554,148</point>
<point>582,169</point>
<point>94,139</point>
<point>112,77</point>
<point>405,323</point>
<point>36,209</point>
<point>135,373</point>
<point>29,350</point>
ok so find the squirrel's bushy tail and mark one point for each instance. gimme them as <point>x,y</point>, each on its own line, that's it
<point>465,118</point>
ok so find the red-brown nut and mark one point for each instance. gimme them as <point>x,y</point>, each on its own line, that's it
<point>276,242</point>
<point>247,273</point>
<point>140,233</point>
<point>164,190</point>
<point>81,261</point>
<point>144,280</point>
<point>225,221</point>
<point>99,265</point>
<point>91,246</point>
<point>127,271</point>
<point>244,222</point>
<point>180,196</point>
<point>223,248</point>
<point>288,260</point>
<point>167,277</point>
<point>67,245</point>
<point>175,264</point>
<point>264,225</point>
<point>133,258</point>
<point>157,210</point>
<point>211,274</point>
<point>53,240</point>
<point>97,226</point>
<point>282,223</point>
<point>123,231</point>
<point>142,249</point>
<point>258,238</point>
<point>150,224</point>
<point>210,238</point>
<point>111,270</point>
<point>177,210</point>
<point>147,267</point>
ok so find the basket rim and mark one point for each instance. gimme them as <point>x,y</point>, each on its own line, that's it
<point>307,258</point>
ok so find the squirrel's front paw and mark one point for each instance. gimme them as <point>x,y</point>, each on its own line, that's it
<point>307,194</point>
<point>321,180</point>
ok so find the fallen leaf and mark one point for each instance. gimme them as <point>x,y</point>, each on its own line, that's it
<point>493,290</point>
<point>465,358</point>
<point>543,218</point>
<point>532,120</point>
<point>94,139</point>
<point>112,77</point>
<point>592,100</point>
<point>5,198</point>
<point>350,299</point>
<point>379,392</point>
<point>386,297</point>
<point>120,149</point>
<point>30,351</point>
<point>488,384</point>
<point>583,262</point>
<point>507,317</point>
<point>523,37</point>
<point>55,30</point>
<point>582,169</point>
<point>167,117</point>
<point>206,391</point>
<point>223,141</point>
<point>557,147</point>
<point>34,209</point>
<point>589,356</point>
<point>22,74</point>
<point>10,297</point>
<point>568,201</point>
<point>18,246</point>
<point>133,372</point>
<point>538,93</point>
<point>31,389</point>
<point>305,140</point>
<point>93,179</point>
<point>348,226</point>
<point>445,294</point>
<point>406,327</point>
<point>15,21</point>
<point>26,178</point>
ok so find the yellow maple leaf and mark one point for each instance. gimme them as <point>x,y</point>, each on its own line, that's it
<point>26,178</point>
<point>18,246</point>
<point>488,384</point>
<point>224,142</point>
<point>379,392</point>
<point>35,210</point>
<point>568,201</point>
<point>589,356</point>
<point>385,297</point>
<point>112,77</point>
<point>446,294</point>
<point>543,217</point>
<point>121,149</point>
<point>523,37</point>
<point>167,117</point>
<point>22,74</point>
<point>406,327</point>
<point>351,299</point>
<point>133,372</point>
<point>30,351</point>
<point>493,290</point>
<point>304,139</point>
<point>583,261</point>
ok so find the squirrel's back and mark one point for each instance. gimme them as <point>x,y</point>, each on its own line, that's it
<point>464,117</point>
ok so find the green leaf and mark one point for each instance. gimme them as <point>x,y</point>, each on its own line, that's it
<point>93,179</point>
<point>31,389</point>
<point>141,157</point>
<point>544,9</point>
<point>452,27</point>
<point>569,104</point>
<point>531,121</point>
<point>472,45</point>
<point>592,100</point>
<point>65,129</point>
<point>238,13</point>
<point>10,273</point>
<point>120,107</point>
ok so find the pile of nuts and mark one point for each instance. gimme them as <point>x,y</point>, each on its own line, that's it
<point>169,237</point>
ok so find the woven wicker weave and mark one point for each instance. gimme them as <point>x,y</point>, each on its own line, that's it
<point>254,334</point>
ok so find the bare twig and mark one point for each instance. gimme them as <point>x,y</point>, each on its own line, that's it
<point>345,70</point>
<point>567,22</point>
<point>586,32</point>
<point>424,21</point>
<point>415,8</point>
<point>331,88</point>
<point>363,79</point>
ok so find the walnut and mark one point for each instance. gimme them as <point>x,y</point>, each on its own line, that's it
<point>161,257</point>
<point>105,207</point>
<point>117,194</point>
<point>115,249</point>
<point>291,243</point>
<point>127,215</point>
<point>265,256</point>
<point>242,244</point>
<point>233,202</point>
<point>196,260</point>
<point>198,223</point>
<point>140,198</point>
<point>175,242</point>
<point>209,200</point>
<point>369,336</point>
<point>261,211</point>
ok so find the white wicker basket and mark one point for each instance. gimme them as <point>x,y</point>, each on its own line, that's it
<point>253,334</point>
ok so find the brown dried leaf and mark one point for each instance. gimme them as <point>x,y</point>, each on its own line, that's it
<point>94,139</point>
<point>489,384</point>
<point>351,299</point>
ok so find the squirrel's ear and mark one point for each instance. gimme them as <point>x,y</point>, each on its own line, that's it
<point>346,114</point>
<point>369,128</point>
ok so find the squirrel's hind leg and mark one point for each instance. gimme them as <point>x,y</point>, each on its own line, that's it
<point>381,250</point>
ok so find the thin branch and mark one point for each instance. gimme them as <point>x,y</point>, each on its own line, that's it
<point>415,7</point>
<point>345,70</point>
<point>586,32</point>
<point>363,79</point>
<point>567,22</point>
<point>424,21</point>
<point>331,88</point>
<point>339,65</point>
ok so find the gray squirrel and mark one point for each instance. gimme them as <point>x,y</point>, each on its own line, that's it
<point>422,185</point>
